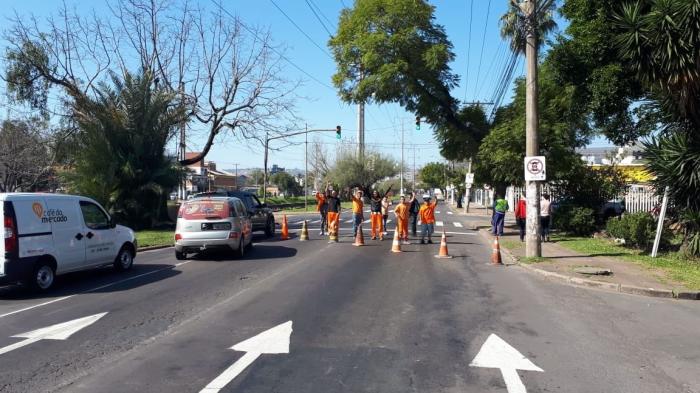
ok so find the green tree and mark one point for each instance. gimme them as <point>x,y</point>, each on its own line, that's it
<point>561,130</point>
<point>121,159</point>
<point>286,183</point>
<point>434,175</point>
<point>349,172</point>
<point>256,176</point>
<point>586,59</point>
<point>457,145</point>
<point>513,24</point>
<point>393,51</point>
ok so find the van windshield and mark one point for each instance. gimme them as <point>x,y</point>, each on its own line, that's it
<point>202,209</point>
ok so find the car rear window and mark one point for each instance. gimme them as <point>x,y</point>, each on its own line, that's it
<point>202,209</point>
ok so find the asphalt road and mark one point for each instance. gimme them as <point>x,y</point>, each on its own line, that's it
<point>363,320</point>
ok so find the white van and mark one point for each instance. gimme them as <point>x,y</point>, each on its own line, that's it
<point>52,234</point>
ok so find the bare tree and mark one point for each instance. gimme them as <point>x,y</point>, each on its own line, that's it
<point>25,156</point>
<point>319,163</point>
<point>228,74</point>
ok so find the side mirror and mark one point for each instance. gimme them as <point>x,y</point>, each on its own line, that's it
<point>112,223</point>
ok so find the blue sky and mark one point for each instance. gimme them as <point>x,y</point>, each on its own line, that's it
<point>323,109</point>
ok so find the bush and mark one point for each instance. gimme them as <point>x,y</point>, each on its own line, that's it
<point>575,220</point>
<point>638,230</point>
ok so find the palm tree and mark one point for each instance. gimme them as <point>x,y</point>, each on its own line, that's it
<point>660,40</point>
<point>122,161</point>
<point>514,24</point>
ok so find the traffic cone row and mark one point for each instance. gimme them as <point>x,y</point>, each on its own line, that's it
<point>496,253</point>
<point>443,247</point>
<point>304,236</point>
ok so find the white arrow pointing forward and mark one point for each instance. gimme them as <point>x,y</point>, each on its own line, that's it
<point>496,353</point>
<point>272,341</point>
<point>61,331</point>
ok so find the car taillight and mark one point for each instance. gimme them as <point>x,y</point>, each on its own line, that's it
<point>10,235</point>
<point>233,235</point>
<point>178,237</point>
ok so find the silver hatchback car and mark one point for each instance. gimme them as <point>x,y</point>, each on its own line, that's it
<point>215,223</point>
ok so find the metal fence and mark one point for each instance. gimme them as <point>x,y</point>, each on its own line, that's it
<point>636,198</point>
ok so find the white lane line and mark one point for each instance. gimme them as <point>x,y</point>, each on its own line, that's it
<point>457,224</point>
<point>439,223</point>
<point>461,233</point>
<point>315,221</point>
<point>92,290</point>
<point>450,213</point>
<point>388,221</point>
<point>349,221</point>
<point>437,212</point>
<point>367,222</point>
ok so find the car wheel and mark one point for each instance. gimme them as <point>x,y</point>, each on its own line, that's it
<point>124,260</point>
<point>43,277</point>
<point>180,255</point>
<point>270,228</point>
<point>240,253</point>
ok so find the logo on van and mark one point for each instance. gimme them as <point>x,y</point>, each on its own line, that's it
<point>38,209</point>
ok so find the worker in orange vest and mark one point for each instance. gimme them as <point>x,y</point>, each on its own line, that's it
<point>401,211</point>
<point>427,219</point>
<point>357,211</point>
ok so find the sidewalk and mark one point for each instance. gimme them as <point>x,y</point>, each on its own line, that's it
<point>559,263</point>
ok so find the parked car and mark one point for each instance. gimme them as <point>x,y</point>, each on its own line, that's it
<point>213,223</point>
<point>260,214</point>
<point>47,235</point>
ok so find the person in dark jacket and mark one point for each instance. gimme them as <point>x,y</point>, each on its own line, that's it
<point>413,209</point>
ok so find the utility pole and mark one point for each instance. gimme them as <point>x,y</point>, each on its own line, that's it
<point>183,154</point>
<point>306,166</point>
<point>267,145</point>
<point>533,246</point>
<point>236,181</point>
<point>401,179</point>
<point>414,167</point>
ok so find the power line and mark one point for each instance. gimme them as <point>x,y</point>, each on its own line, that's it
<point>330,23</point>
<point>319,18</point>
<point>283,57</point>
<point>497,61</point>
<point>469,48</point>
<point>301,30</point>
<point>483,41</point>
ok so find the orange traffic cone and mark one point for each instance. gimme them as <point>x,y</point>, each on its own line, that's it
<point>443,247</point>
<point>304,235</point>
<point>396,244</point>
<point>285,229</point>
<point>496,254</point>
<point>359,238</point>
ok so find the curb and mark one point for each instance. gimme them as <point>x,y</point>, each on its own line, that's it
<point>151,248</point>
<point>610,286</point>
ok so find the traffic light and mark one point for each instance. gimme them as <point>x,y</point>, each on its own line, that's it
<point>417,123</point>
<point>337,132</point>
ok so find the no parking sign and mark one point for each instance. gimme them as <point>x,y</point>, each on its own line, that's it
<point>535,168</point>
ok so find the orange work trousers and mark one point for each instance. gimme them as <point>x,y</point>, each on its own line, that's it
<point>402,227</point>
<point>333,222</point>
<point>376,220</point>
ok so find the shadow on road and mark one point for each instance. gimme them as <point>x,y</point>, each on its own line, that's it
<point>101,280</point>
<point>260,251</point>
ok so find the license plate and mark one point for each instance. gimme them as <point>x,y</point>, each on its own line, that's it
<point>216,226</point>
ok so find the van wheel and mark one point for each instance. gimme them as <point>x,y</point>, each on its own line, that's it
<point>43,276</point>
<point>180,255</point>
<point>124,260</point>
<point>270,228</point>
<point>240,253</point>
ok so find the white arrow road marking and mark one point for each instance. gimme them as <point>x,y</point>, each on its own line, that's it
<point>271,341</point>
<point>439,223</point>
<point>457,224</point>
<point>61,331</point>
<point>496,353</point>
